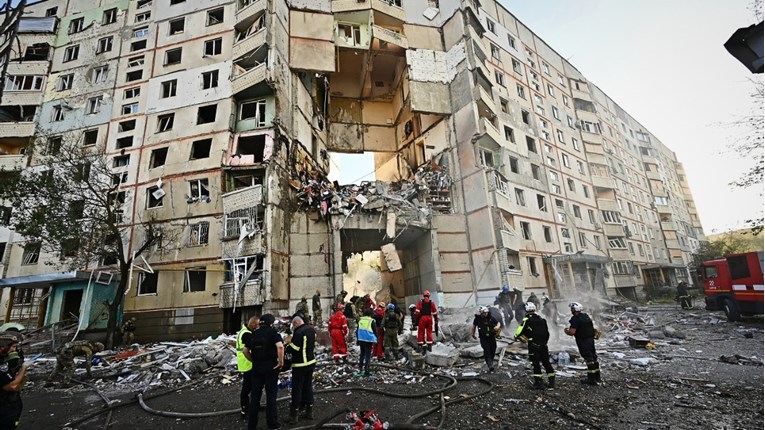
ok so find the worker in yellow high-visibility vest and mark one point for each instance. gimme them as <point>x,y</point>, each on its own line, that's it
<point>243,364</point>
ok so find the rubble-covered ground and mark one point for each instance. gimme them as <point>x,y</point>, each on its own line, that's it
<point>698,372</point>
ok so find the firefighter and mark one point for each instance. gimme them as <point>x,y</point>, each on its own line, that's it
<point>505,302</point>
<point>533,332</point>
<point>338,330</point>
<point>682,295</point>
<point>488,329</point>
<point>582,328</point>
<point>391,325</point>
<point>427,316</point>
<point>413,316</point>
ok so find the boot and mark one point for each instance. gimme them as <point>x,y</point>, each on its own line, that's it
<point>308,412</point>
<point>551,382</point>
<point>293,419</point>
<point>538,384</point>
<point>430,347</point>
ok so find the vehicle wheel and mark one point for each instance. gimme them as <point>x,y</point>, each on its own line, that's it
<point>731,310</point>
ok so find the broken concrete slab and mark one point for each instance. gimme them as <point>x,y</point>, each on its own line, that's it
<point>442,355</point>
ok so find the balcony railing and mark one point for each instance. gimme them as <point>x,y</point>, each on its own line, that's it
<point>249,44</point>
<point>244,78</point>
<point>249,294</point>
<point>17,129</point>
<point>12,162</point>
<point>249,8</point>
<point>390,36</point>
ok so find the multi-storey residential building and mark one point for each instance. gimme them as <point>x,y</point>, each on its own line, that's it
<point>497,162</point>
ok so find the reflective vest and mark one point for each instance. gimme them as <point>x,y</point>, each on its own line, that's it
<point>242,363</point>
<point>365,333</point>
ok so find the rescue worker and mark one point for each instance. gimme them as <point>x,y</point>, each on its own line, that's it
<point>352,318</point>
<point>488,328</point>
<point>549,309</point>
<point>265,349</point>
<point>399,314</point>
<point>366,338</point>
<point>338,330</point>
<point>413,316</point>
<point>244,365</point>
<point>682,295</point>
<point>12,380</point>
<point>302,344</point>
<point>505,303</point>
<point>519,306</point>
<point>391,325</point>
<point>582,328</point>
<point>316,308</point>
<point>65,358</point>
<point>534,299</point>
<point>427,314</point>
<point>128,332</point>
<point>301,309</point>
<point>379,314</point>
<point>533,332</point>
<point>340,299</point>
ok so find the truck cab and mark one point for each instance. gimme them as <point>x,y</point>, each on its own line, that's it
<point>734,284</point>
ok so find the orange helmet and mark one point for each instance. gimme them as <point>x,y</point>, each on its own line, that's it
<point>426,293</point>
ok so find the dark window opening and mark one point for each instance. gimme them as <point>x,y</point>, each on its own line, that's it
<point>210,79</point>
<point>173,56</point>
<point>165,122</point>
<point>215,16</point>
<point>125,142</point>
<point>147,283</point>
<point>194,280</point>
<point>127,125</point>
<point>37,52</point>
<point>200,149</point>
<point>90,137</point>
<point>137,46</point>
<point>177,25</point>
<point>77,209</point>
<point>51,12</point>
<point>252,145</point>
<point>154,197</point>
<point>5,215</point>
<point>206,114</point>
<point>134,76</point>
<point>121,161</point>
<point>158,157</point>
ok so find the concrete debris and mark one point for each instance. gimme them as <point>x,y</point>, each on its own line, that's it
<point>442,355</point>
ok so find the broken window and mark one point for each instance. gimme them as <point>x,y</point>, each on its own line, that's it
<point>194,280</point>
<point>564,232</point>
<point>509,134</point>
<point>235,220</point>
<point>37,52</point>
<point>119,178</point>
<point>57,113</point>
<point>548,233</point>
<point>206,114</point>
<point>622,267</point>
<point>577,212</point>
<point>154,197</point>
<point>199,233</point>
<point>138,45</point>
<point>514,165</point>
<point>520,197</point>
<point>23,83</point>
<point>199,188</point>
<point>173,56</point>
<point>583,240</point>
<point>495,51</point>
<point>147,283</point>
<point>158,158</point>
<point>165,122</point>
<point>561,217</point>
<point>53,145</point>
<point>82,172</point>
<point>571,184</point>
<point>130,109</point>
<point>525,117</point>
<point>110,16</point>
<point>141,17</point>
<point>124,126</point>
<point>94,104</point>
<point>65,82</point>
<point>351,33</point>
<point>132,92</point>
<point>244,181</point>
<point>76,25</point>
<point>51,12</point>
<point>499,78</point>
<point>256,110</point>
<point>200,149</point>
<point>31,253</point>
<point>215,16</point>
<point>531,145</point>
<point>541,203</point>
<point>176,26</point>
<point>90,137</point>
<point>486,157</point>
<point>617,243</point>
<point>586,191</point>
<point>491,26</point>
<point>71,53</point>
<point>100,74</point>
<point>525,230</point>
<point>209,79</point>
<point>141,32</point>
<point>105,44</point>
<point>213,46</point>
<point>134,75</point>
<point>174,2</point>
<point>252,145</point>
<point>169,88</point>
<point>536,172</point>
<point>121,161</point>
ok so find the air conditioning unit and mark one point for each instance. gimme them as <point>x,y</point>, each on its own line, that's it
<point>104,278</point>
<point>158,193</point>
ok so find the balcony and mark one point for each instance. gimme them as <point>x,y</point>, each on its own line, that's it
<point>486,97</point>
<point>603,182</point>
<point>251,43</point>
<point>608,205</point>
<point>652,174</point>
<point>487,129</point>
<point>616,230</point>
<point>248,9</point>
<point>619,254</point>
<point>511,240</point>
<point>673,244</point>
<point>623,281</point>
<point>17,129</point>
<point>12,162</point>
<point>579,94</point>
<point>390,36</point>
<point>668,226</point>
<point>244,79</point>
<point>250,294</point>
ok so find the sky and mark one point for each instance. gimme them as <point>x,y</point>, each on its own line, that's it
<point>663,61</point>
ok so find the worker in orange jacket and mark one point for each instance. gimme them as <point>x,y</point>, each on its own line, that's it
<point>427,315</point>
<point>338,330</point>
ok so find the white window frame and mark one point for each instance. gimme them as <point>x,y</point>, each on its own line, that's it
<point>213,45</point>
<point>105,44</point>
<point>199,234</point>
<point>71,53</point>
<point>94,104</point>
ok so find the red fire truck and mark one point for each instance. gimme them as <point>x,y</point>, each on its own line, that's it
<point>734,284</point>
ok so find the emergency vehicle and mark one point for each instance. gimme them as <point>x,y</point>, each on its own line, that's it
<point>734,284</point>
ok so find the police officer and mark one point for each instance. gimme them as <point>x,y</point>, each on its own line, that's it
<point>582,328</point>
<point>391,325</point>
<point>243,364</point>
<point>488,328</point>
<point>266,351</point>
<point>302,344</point>
<point>11,382</point>
<point>65,358</point>
<point>533,331</point>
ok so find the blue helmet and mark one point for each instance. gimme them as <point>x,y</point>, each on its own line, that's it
<point>505,289</point>
<point>391,306</point>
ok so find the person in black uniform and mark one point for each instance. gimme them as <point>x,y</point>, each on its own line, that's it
<point>266,351</point>
<point>488,327</point>
<point>583,330</point>
<point>12,379</point>
<point>682,295</point>
<point>505,302</point>
<point>533,331</point>
<point>302,344</point>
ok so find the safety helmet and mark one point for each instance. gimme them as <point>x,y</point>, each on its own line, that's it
<point>530,307</point>
<point>575,306</point>
<point>505,289</point>
<point>426,293</point>
<point>340,307</point>
<point>391,306</point>
<point>412,306</point>
<point>483,309</point>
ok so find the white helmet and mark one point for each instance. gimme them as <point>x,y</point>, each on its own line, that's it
<point>575,306</point>
<point>530,307</point>
<point>483,309</point>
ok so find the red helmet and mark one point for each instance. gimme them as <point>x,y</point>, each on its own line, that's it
<point>426,293</point>
<point>340,307</point>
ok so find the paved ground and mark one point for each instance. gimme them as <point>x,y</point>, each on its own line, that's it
<point>687,387</point>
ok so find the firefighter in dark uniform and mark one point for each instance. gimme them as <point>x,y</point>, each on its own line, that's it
<point>582,328</point>
<point>65,358</point>
<point>12,378</point>
<point>302,344</point>
<point>505,302</point>
<point>533,331</point>
<point>682,295</point>
<point>488,328</point>
<point>266,351</point>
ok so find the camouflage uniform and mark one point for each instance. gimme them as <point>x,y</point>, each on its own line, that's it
<point>301,309</point>
<point>65,358</point>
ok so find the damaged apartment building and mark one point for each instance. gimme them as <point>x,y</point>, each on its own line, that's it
<point>496,161</point>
